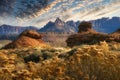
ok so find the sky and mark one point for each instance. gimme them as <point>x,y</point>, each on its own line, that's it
<point>39,12</point>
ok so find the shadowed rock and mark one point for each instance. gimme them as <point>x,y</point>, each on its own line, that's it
<point>84,26</point>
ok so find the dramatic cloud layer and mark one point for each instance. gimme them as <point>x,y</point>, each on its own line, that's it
<point>39,12</point>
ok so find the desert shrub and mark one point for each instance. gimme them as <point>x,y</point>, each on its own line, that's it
<point>89,62</point>
<point>115,47</point>
<point>43,53</point>
<point>95,62</point>
<point>32,57</point>
<point>46,56</point>
<point>50,52</point>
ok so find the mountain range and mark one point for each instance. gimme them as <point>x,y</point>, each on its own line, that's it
<point>60,26</point>
<point>8,29</point>
<point>105,25</point>
<point>11,32</point>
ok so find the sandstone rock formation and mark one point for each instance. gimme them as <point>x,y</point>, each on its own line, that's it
<point>84,26</point>
<point>28,38</point>
<point>86,35</point>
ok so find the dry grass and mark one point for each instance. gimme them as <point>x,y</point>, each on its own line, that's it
<point>4,42</point>
<point>89,62</point>
<point>56,39</point>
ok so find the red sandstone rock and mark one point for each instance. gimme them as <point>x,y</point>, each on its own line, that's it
<point>29,38</point>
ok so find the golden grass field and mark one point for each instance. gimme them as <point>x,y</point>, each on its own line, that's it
<point>85,62</point>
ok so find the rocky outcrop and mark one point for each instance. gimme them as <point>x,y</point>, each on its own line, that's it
<point>88,36</point>
<point>28,38</point>
<point>31,34</point>
<point>85,26</point>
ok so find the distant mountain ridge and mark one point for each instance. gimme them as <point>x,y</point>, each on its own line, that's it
<point>8,29</point>
<point>105,25</point>
<point>59,26</point>
<point>8,32</point>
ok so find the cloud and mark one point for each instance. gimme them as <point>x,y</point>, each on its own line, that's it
<point>103,10</point>
<point>6,6</point>
<point>26,8</point>
<point>39,12</point>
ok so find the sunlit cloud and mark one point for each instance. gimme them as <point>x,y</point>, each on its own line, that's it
<point>66,10</point>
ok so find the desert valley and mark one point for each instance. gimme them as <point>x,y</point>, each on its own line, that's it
<point>86,55</point>
<point>59,39</point>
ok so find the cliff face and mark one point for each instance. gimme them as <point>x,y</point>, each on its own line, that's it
<point>28,38</point>
<point>88,36</point>
<point>106,25</point>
